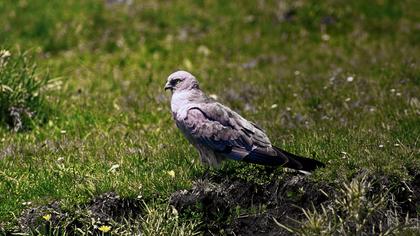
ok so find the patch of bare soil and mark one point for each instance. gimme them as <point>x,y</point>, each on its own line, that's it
<point>232,206</point>
<point>102,210</point>
<point>238,207</point>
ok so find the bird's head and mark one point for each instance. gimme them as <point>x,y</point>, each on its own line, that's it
<point>181,80</point>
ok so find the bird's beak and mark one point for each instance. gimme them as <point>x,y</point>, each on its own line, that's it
<point>168,86</point>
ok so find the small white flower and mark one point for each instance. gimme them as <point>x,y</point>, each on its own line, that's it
<point>398,94</point>
<point>344,155</point>
<point>396,145</point>
<point>288,109</point>
<point>392,90</point>
<point>174,211</point>
<point>325,37</point>
<point>5,53</point>
<point>347,100</point>
<point>381,145</point>
<point>297,72</point>
<point>274,106</point>
<point>203,50</point>
<point>350,79</point>
<point>114,168</point>
<point>63,131</point>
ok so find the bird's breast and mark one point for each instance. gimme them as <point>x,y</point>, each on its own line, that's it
<point>181,102</point>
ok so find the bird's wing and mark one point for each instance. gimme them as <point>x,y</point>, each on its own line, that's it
<point>226,132</point>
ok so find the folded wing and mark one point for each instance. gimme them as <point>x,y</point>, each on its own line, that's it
<point>227,133</point>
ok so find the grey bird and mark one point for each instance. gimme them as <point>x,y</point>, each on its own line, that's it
<point>219,133</point>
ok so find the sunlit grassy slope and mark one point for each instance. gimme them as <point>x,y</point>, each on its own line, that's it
<point>334,80</point>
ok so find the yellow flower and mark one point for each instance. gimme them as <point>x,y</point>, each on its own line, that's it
<point>47,217</point>
<point>105,228</point>
<point>171,173</point>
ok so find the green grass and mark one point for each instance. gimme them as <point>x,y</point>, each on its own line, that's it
<point>353,211</point>
<point>111,108</point>
<point>22,90</point>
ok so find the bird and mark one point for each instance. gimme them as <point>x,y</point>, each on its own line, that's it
<point>219,133</point>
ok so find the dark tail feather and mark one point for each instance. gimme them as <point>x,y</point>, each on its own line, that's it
<point>283,158</point>
<point>298,162</point>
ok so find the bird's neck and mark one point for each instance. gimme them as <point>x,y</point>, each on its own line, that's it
<point>182,100</point>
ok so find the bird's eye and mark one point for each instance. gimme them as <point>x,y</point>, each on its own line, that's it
<point>176,81</point>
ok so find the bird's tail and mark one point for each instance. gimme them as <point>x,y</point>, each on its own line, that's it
<point>298,162</point>
<point>284,159</point>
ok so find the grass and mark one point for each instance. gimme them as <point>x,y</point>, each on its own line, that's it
<point>355,210</point>
<point>22,92</point>
<point>335,81</point>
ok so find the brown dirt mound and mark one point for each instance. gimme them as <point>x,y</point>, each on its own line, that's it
<point>104,209</point>
<point>220,199</point>
<point>232,206</point>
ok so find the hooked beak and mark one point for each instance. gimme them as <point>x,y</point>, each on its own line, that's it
<point>168,86</point>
